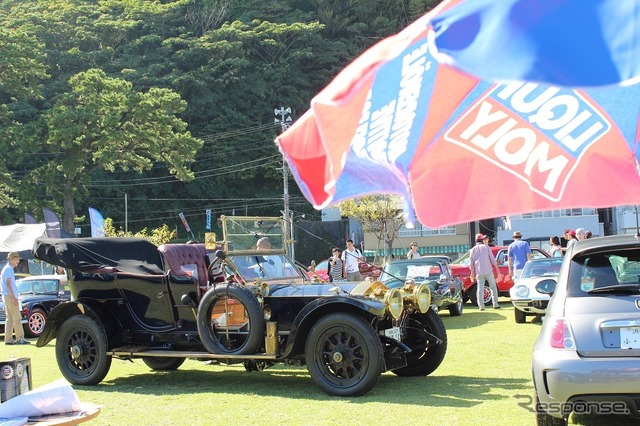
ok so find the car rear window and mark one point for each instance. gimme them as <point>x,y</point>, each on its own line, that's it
<point>592,271</point>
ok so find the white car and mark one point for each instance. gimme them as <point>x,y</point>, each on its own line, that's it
<point>525,294</point>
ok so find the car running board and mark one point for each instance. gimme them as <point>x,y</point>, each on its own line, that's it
<point>141,351</point>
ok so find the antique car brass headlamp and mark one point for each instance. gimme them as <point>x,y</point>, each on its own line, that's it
<point>393,300</point>
<point>422,297</point>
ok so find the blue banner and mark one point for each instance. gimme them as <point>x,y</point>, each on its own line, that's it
<point>97,223</point>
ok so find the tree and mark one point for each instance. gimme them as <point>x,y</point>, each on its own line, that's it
<point>104,124</point>
<point>21,70</point>
<point>157,236</point>
<point>378,214</point>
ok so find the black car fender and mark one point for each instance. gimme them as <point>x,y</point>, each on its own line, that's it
<point>61,313</point>
<point>307,317</point>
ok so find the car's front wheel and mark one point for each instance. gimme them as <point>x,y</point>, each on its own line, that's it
<point>520,316</point>
<point>162,363</point>
<point>81,351</point>
<point>427,338</point>
<point>344,355</point>
<point>35,323</point>
<point>455,310</point>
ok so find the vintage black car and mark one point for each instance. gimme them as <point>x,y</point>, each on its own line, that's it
<point>38,295</point>
<point>227,301</point>
<point>446,290</point>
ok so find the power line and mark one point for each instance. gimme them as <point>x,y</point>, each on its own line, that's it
<point>169,179</point>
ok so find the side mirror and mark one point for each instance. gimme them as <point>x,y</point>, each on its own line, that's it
<point>547,286</point>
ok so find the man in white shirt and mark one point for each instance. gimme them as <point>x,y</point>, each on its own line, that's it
<point>351,259</point>
<point>10,297</point>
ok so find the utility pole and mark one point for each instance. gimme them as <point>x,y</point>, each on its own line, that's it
<point>285,122</point>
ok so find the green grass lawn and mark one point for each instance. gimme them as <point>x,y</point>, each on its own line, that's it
<point>485,378</point>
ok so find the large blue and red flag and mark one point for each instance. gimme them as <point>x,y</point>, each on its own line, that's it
<point>458,148</point>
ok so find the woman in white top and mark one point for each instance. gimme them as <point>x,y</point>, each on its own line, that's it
<point>413,253</point>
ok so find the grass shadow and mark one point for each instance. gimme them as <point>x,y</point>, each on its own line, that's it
<point>295,382</point>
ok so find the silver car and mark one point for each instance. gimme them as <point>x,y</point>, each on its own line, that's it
<point>587,356</point>
<point>529,294</point>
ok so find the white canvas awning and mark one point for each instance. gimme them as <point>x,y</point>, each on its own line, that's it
<point>20,237</point>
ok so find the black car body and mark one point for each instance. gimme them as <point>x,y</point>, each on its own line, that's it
<point>38,295</point>
<point>232,303</point>
<point>446,290</point>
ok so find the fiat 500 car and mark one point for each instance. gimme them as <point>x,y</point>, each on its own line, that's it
<point>446,290</point>
<point>230,302</point>
<point>587,356</point>
<point>530,294</point>
<point>38,295</point>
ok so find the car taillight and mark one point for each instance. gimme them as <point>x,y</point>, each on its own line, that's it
<point>561,336</point>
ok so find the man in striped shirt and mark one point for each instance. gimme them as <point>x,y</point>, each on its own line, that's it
<point>482,264</point>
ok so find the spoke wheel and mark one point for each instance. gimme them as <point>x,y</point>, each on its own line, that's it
<point>344,355</point>
<point>426,353</point>
<point>81,347</point>
<point>473,295</point>
<point>230,320</point>
<point>35,323</point>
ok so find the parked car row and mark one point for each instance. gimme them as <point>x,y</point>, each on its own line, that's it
<point>585,358</point>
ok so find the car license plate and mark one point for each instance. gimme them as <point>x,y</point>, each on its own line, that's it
<point>630,337</point>
<point>394,333</point>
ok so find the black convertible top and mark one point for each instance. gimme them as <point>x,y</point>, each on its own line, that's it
<point>132,255</point>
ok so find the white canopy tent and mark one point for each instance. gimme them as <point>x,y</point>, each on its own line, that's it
<point>20,237</point>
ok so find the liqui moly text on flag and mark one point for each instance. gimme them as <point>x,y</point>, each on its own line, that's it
<point>537,133</point>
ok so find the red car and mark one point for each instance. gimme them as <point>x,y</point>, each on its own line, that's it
<point>321,270</point>
<point>460,268</point>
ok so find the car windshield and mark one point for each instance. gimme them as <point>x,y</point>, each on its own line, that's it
<point>462,260</point>
<point>540,268</point>
<point>417,271</point>
<point>37,286</point>
<point>614,272</point>
<point>265,267</point>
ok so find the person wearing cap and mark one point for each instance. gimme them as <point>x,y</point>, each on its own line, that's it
<point>413,253</point>
<point>570,236</point>
<point>482,263</point>
<point>13,324</point>
<point>519,253</point>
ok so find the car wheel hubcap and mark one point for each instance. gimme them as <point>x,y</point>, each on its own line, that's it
<point>338,357</point>
<point>76,352</point>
